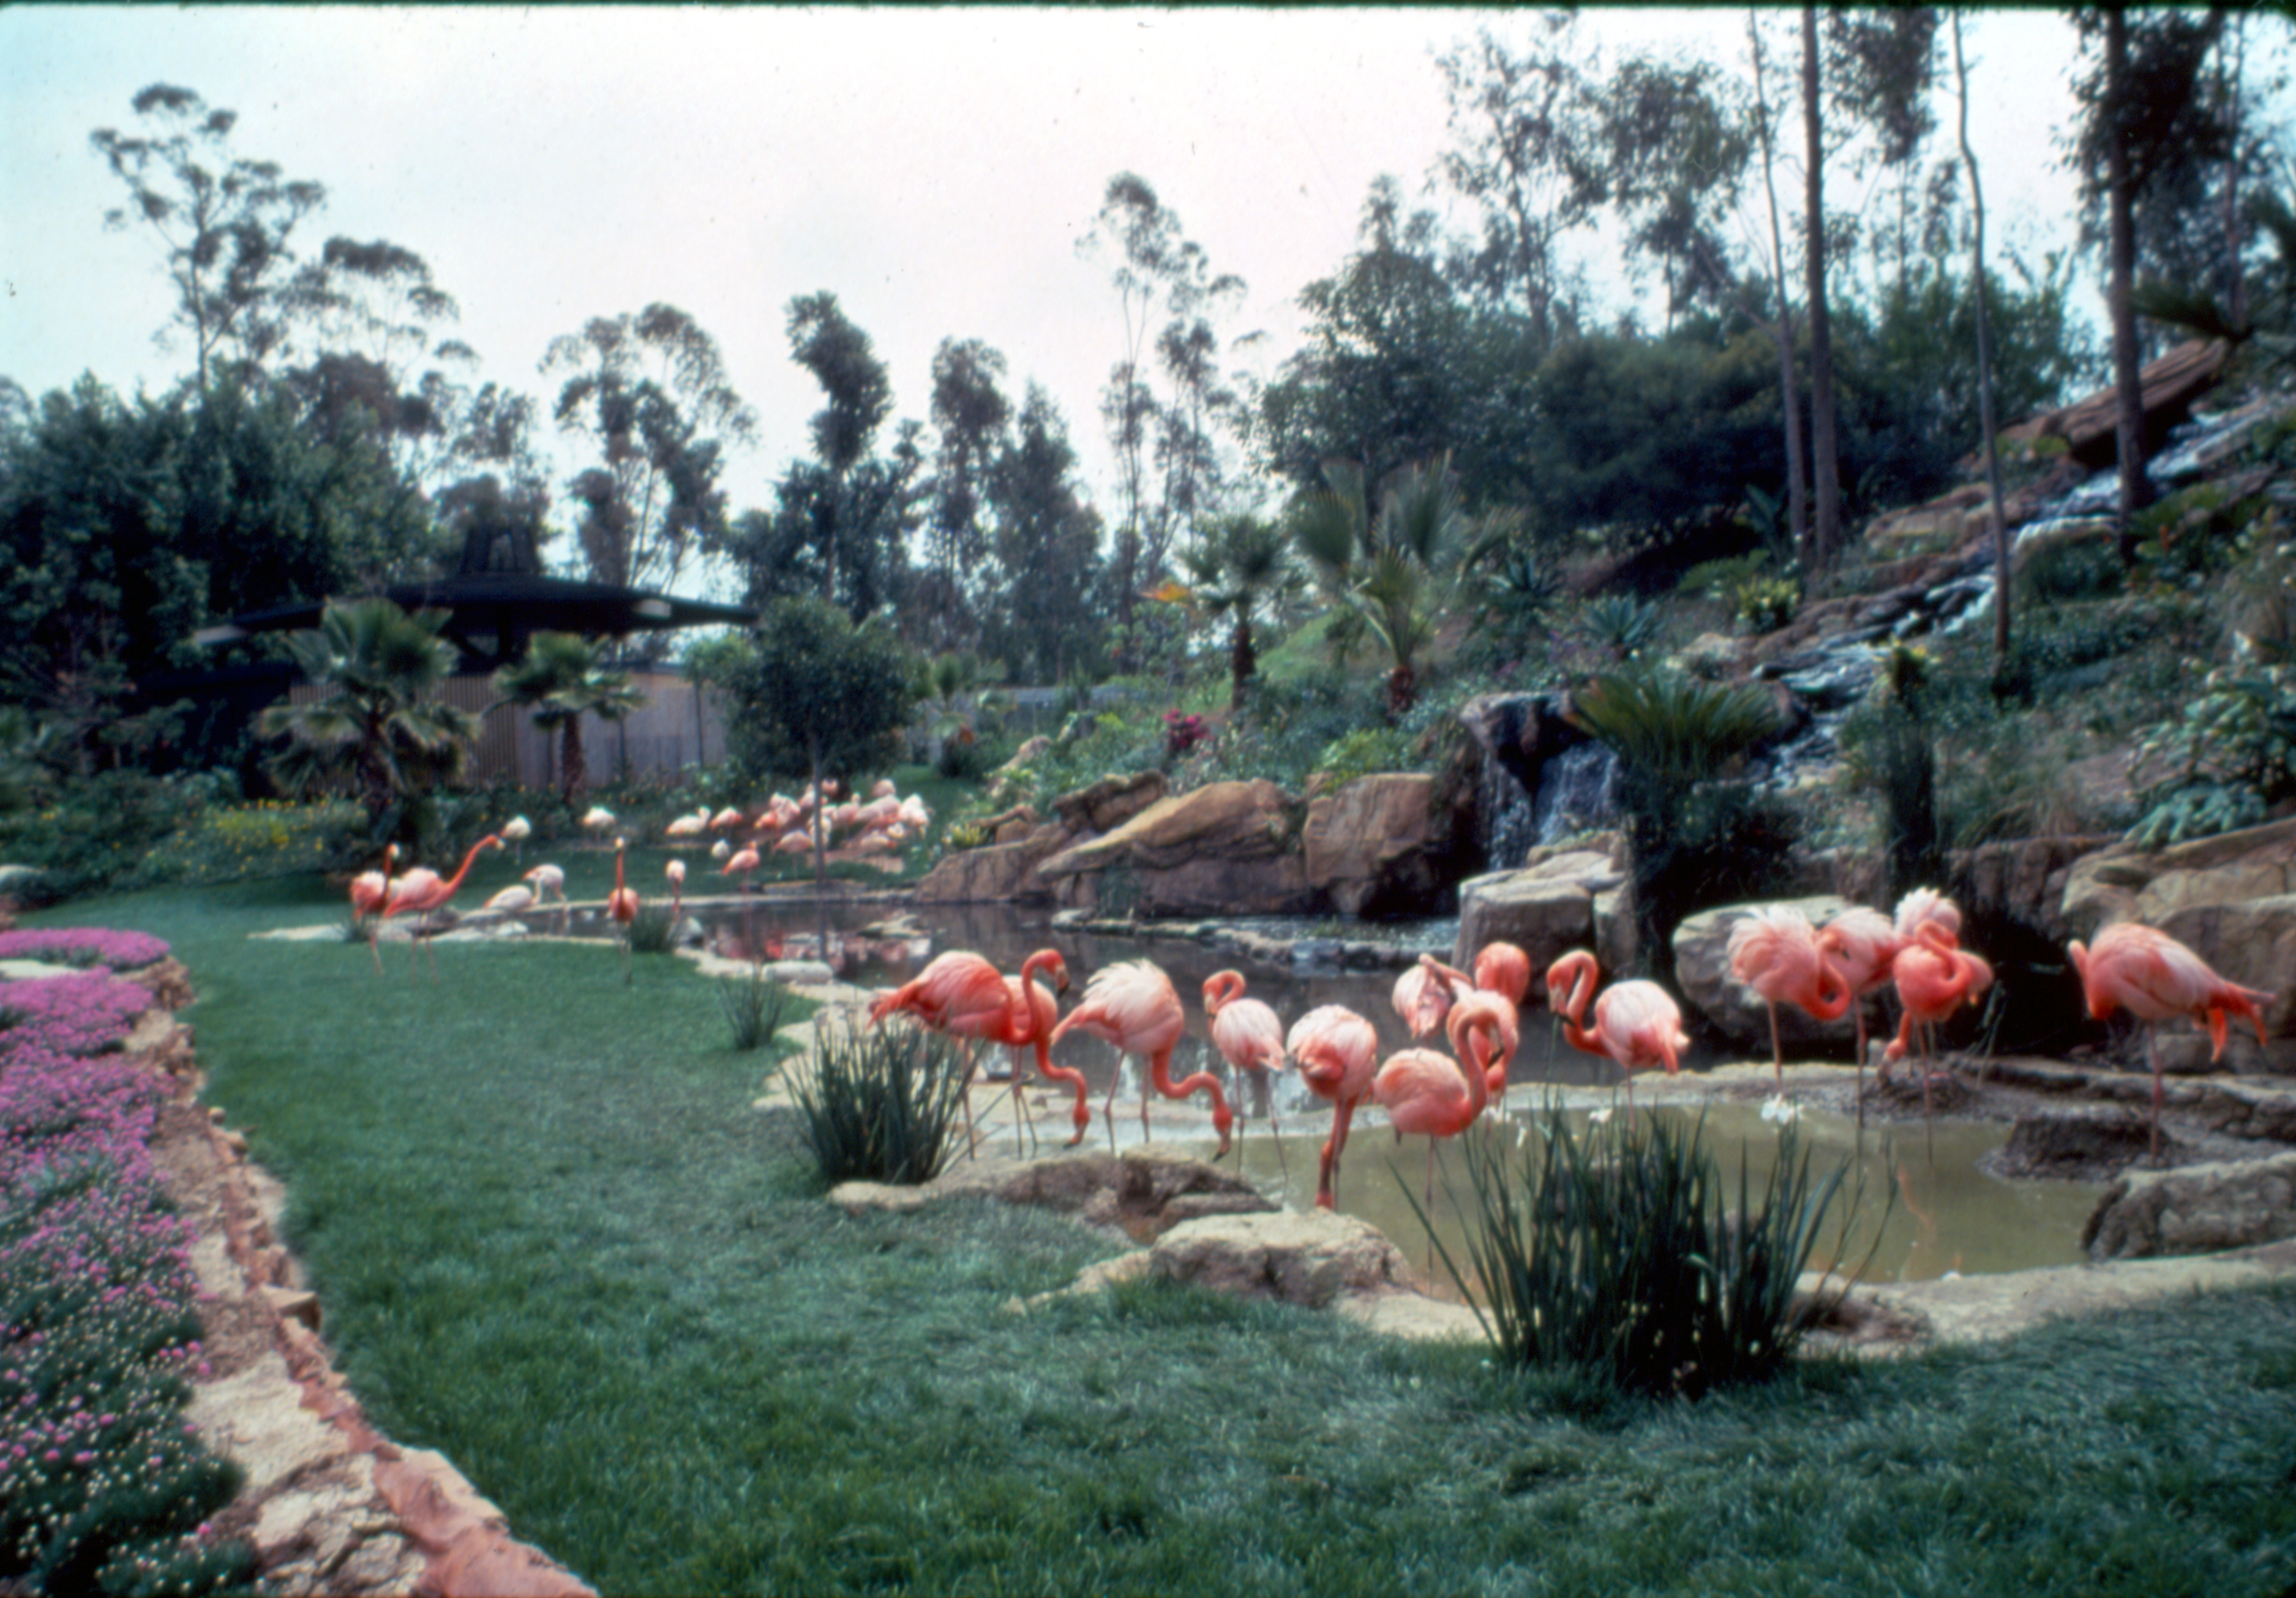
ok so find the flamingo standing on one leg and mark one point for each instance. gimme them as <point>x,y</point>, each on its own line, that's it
<point>1861,944</point>
<point>369,892</point>
<point>1775,951</point>
<point>1134,1006</point>
<point>423,890</point>
<point>1249,1034</point>
<point>1934,976</point>
<point>960,996</point>
<point>2137,967</point>
<point>1423,1091</point>
<point>516,830</point>
<point>675,872</point>
<point>1034,1014</point>
<point>1338,1051</point>
<point>1635,1023</point>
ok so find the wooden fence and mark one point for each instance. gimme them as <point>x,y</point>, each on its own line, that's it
<point>678,725</point>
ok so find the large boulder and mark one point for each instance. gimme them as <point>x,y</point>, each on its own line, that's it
<point>2195,1210</point>
<point>1314,1258</point>
<point>1546,908</point>
<point>1110,802</point>
<point>994,872</point>
<point>2232,900</point>
<point>1371,845</point>
<point>1225,847</point>
<point>1701,974</point>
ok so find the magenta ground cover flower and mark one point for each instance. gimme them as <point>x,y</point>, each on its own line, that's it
<point>85,1014</point>
<point>83,945</point>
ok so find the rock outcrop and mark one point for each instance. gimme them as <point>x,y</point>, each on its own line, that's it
<point>1546,908</point>
<point>1370,846</point>
<point>2195,1210</point>
<point>1228,847</point>
<point>2232,900</point>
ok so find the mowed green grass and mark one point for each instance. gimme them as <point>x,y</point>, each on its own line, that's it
<point>554,1240</point>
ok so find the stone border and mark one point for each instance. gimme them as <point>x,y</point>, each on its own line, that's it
<point>330,1504</point>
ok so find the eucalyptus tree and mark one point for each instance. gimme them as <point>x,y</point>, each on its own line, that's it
<point>224,223</point>
<point>563,678</point>
<point>827,343</point>
<point>377,721</point>
<point>1994,507</point>
<point>1040,616</point>
<point>648,392</point>
<point>1527,153</point>
<point>970,415</point>
<point>1170,297</point>
<point>2143,121</point>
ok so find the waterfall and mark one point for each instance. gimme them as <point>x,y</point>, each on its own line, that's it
<point>1578,792</point>
<point>1509,822</point>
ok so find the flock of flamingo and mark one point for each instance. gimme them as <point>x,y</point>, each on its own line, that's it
<point>1775,949</point>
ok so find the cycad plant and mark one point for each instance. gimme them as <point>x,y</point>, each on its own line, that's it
<point>1397,567</point>
<point>1676,738</point>
<point>562,679</point>
<point>376,722</point>
<point>1622,1250</point>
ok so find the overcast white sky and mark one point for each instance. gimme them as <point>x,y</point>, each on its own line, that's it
<point>933,168</point>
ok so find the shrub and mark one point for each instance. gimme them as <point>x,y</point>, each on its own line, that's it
<point>754,1008</point>
<point>880,1104</point>
<point>1763,605</point>
<point>1609,1251</point>
<point>2234,753</point>
<point>1364,751</point>
<point>652,929</point>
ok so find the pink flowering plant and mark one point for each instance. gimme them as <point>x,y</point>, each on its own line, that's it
<point>1182,732</point>
<point>83,945</point>
<point>104,1487</point>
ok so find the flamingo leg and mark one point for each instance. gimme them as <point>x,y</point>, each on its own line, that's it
<point>1777,1049</point>
<point>1859,1004</point>
<point>1021,1107</point>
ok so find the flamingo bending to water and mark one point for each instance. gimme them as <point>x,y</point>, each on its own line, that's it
<point>1934,978</point>
<point>1862,945</point>
<point>2137,967</point>
<point>1134,1006</point>
<point>1338,1051</point>
<point>960,995</point>
<point>1426,1092</point>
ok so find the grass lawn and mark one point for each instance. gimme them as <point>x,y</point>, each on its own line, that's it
<point>554,1240</point>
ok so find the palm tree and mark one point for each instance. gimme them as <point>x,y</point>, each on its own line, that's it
<point>377,667</point>
<point>1397,570</point>
<point>561,681</point>
<point>1240,568</point>
<point>950,693</point>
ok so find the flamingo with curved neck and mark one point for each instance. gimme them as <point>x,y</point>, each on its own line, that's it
<point>423,890</point>
<point>1133,1005</point>
<point>1249,1035</point>
<point>1338,1051</point>
<point>1635,1023</point>
<point>1034,1013</point>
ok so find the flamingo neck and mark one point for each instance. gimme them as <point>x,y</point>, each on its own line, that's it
<point>488,841</point>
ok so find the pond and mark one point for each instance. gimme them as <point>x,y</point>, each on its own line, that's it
<point>1944,1213</point>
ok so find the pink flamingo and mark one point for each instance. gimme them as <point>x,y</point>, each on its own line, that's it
<point>510,900</point>
<point>959,994</point>
<point>1133,1005</point>
<point>1934,976</point>
<point>622,904</point>
<point>1426,1092</point>
<point>1635,1023</point>
<point>1775,951</point>
<point>1502,973</point>
<point>1861,944</point>
<point>550,883</point>
<point>1423,995</point>
<point>423,890</point>
<point>1249,1035</point>
<point>369,892</point>
<point>1926,904</point>
<point>1338,1051</point>
<point>2148,973</point>
<point>675,872</point>
<point>743,860</point>
<point>1035,1012</point>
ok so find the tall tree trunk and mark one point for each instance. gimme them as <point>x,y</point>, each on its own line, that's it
<point>574,772</point>
<point>1243,661</point>
<point>2127,380</point>
<point>2228,91</point>
<point>1985,414</point>
<point>1825,480</point>
<point>1789,403</point>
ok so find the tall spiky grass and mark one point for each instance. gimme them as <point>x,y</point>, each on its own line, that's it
<point>1613,1252</point>
<point>754,1008</point>
<point>880,1104</point>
